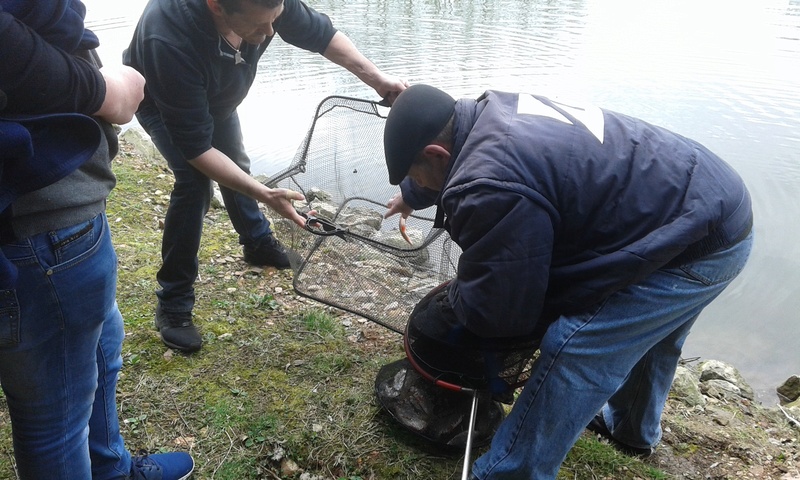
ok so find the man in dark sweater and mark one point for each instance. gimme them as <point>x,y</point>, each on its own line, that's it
<point>61,331</point>
<point>200,58</point>
<point>597,236</point>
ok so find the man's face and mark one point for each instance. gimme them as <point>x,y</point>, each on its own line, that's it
<point>426,174</point>
<point>252,22</point>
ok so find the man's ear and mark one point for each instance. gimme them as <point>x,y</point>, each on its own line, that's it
<point>437,154</point>
<point>435,150</point>
<point>214,6</point>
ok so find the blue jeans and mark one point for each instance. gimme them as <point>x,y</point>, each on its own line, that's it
<point>619,358</point>
<point>61,338</point>
<point>188,205</point>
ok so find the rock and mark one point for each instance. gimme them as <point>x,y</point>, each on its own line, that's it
<point>715,370</point>
<point>352,216</point>
<point>309,476</point>
<point>348,217</point>
<point>360,229</point>
<point>324,209</point>
<point>720,416</point>
<point>289,468</point>
<point>721,389</point>
<point>406,253</point>
<point>315,193</point>
<point>216,198</point>
<point>141,143</point>
<point>686,387</point>
<point>263,179</point>
<point>790,390</point>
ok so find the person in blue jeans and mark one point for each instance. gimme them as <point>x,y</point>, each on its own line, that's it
<point>61,331</point>
<point>597,236</point>
<point>200,58</point>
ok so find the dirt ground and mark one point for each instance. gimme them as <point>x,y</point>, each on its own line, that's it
<point>727,441</point>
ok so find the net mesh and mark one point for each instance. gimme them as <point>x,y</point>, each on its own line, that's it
<point>361,264</point>
<point>438,415</point>
<point>494,365</point>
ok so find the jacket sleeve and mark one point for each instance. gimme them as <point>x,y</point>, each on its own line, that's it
<point>502,278</point>
<point>304,27</point>
<point>415,196</point>
<point>37,77</point>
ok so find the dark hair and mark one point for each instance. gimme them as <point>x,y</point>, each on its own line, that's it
<point>235,6</point>
<point>445,137</point>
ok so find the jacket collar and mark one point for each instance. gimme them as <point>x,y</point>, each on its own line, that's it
<point>463,120</point>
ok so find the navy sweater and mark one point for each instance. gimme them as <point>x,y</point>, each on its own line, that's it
<point>191,76</point>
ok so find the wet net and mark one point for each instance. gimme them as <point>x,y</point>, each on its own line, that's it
<point>349,257</point>
<point>438,415</point>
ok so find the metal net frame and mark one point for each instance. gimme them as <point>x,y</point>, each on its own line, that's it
<point>351,258</point>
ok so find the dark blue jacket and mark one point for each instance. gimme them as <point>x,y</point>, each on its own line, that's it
<point>557,207</point>
<point>46,90</point>
<point>190,72</point>
<point>38,43</point>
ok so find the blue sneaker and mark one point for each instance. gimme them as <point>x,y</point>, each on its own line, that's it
<point>162,466</point>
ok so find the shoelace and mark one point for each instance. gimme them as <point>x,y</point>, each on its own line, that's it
<point>142,467</point>
<point>178,319</point>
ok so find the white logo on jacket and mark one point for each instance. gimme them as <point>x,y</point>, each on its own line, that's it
<point>591,117</point>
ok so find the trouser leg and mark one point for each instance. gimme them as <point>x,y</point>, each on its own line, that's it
<point>183,223</point>
<point>246,216</point>
<point>587,359</point>
<point>49,364</point>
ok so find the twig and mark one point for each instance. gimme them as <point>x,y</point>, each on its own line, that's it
<point>273,474</point>
<point>13,462</point>
<point>224,457</point>
<point>180,415</point>
<point>684,361</point>
<point>788,416</point>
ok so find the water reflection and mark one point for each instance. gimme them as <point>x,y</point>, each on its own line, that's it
<point>725,74</point>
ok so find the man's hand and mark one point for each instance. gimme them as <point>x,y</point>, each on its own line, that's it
<point>280,200</point>
<point>343,52</point>
<point>397,205</point>
<point>124,93</point>
<point>389,87</point>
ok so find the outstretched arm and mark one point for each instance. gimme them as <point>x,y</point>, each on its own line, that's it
<point>219,167</point>
<point>343,52</point>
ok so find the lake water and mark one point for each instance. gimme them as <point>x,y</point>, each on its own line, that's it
<point>724,73</point>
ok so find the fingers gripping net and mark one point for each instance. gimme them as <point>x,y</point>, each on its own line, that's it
<point>361,264</point>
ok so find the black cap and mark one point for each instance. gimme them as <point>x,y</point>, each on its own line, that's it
<point>417,116</point>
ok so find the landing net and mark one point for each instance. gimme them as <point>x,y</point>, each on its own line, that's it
<point>352,258</point>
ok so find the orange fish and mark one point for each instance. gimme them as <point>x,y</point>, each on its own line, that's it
<point>403,230</point>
